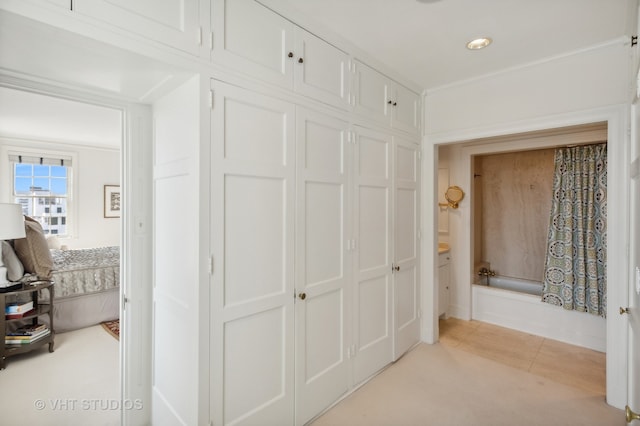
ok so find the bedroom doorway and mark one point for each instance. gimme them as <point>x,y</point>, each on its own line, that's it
<point>79,206</point>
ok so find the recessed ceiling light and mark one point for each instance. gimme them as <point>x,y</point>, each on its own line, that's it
<point>479,43</point>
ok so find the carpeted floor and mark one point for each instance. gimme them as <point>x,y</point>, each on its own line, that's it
<point>439,385</point>
<point>76,385</point>
<point>112,327</point>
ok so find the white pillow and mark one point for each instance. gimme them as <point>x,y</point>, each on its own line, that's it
<point>15,270</point>
<point>53,242</point>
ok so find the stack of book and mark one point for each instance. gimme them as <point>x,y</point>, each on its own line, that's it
<point>18,309</point>
<point>27,334</point>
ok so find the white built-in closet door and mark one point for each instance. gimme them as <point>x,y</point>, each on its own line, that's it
<point>253,39</point>
<point>321,70</point>
<point>252,294</point>
<point>171,22</point>
<point>372,292</point>
<point>373,93</point>
<point>406,277</point>
<point>322,273</point>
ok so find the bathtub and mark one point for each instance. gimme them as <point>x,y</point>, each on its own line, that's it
<point>516,304</point>
<point>515,284</point>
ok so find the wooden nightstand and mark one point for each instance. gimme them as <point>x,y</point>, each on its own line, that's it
<point>7,350</point>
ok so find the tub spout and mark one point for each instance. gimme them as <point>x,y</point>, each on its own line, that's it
<point>485,272</point>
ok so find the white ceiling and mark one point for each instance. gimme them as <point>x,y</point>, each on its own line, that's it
<point>425,42</point>
<point>45,118</point>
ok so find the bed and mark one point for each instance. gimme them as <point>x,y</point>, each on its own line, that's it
<point>86,287</point>
<point>86,281</point>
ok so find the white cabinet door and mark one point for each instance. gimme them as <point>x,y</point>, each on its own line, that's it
<point>443,284</point>
<point>372,93</point>
<point>322,272</point>
<point>372,287</point>
<point>174,23</point>
<point>252,39</point>
<point>252,205</point>
<point>406,219</point>
<point>386,101</point>
<point>406,110</point>
<point>321,71</point>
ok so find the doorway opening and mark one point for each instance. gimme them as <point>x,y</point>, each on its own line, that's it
<point>82,228</point>
<point>500,162</point>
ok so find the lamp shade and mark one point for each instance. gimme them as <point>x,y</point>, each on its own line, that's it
<point>11,221</point>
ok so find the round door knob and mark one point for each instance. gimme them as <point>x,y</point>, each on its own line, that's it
<point>290,55</point>
<point>300,60</point>
<point>302,296</point>
<point>624,311</point>
<point>397,268</point>
<point>395,103</point>
<point>390,102</point>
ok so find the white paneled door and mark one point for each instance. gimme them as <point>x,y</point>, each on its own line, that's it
<point>406,275</point>
<point>373,273</point>
<point>322,272</point>
<point>252,206</point>
<point>633,398</point>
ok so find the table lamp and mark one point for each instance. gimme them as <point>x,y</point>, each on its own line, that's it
<point>11,227</point>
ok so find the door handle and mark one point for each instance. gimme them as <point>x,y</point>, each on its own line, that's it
<point>395,267</point>
<point>630,415</point>
<point>624,311</point>
<point>302,296</point>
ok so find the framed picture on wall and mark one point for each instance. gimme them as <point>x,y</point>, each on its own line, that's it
<point>112,201</point>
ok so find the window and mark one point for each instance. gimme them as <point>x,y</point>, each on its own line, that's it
<point>42,186</point>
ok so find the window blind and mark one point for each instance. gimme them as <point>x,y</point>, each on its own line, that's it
<point>45,160</point>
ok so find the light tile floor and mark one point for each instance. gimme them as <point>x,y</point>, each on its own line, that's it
<point>564,363</point>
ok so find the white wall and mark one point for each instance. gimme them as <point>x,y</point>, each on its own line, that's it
<point>94,168</point>
<point>176,146</point>
<point>584,87</point>
<point>584,80</point>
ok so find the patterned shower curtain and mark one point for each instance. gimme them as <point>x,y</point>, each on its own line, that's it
<point>576,262</point>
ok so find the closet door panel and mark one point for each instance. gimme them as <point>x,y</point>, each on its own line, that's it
<point>244,197</point>
<point>406,280</point>
<point>372,293</point>
<point>322,273</point>
<point>373,92</point>
<point>171,22</point>
<point>406,111</point>
<point>253,39</point>
<point>323,73</point>
<point>252,207</point>
<point>255,376</point>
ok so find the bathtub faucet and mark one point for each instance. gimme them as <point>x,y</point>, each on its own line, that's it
<point>485,272</point>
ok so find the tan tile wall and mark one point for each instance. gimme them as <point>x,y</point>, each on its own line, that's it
<point>515,200</point>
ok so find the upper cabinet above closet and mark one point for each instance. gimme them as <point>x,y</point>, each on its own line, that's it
<point>382,99</point>
<point>250,38</point>
<point>174,23</point>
